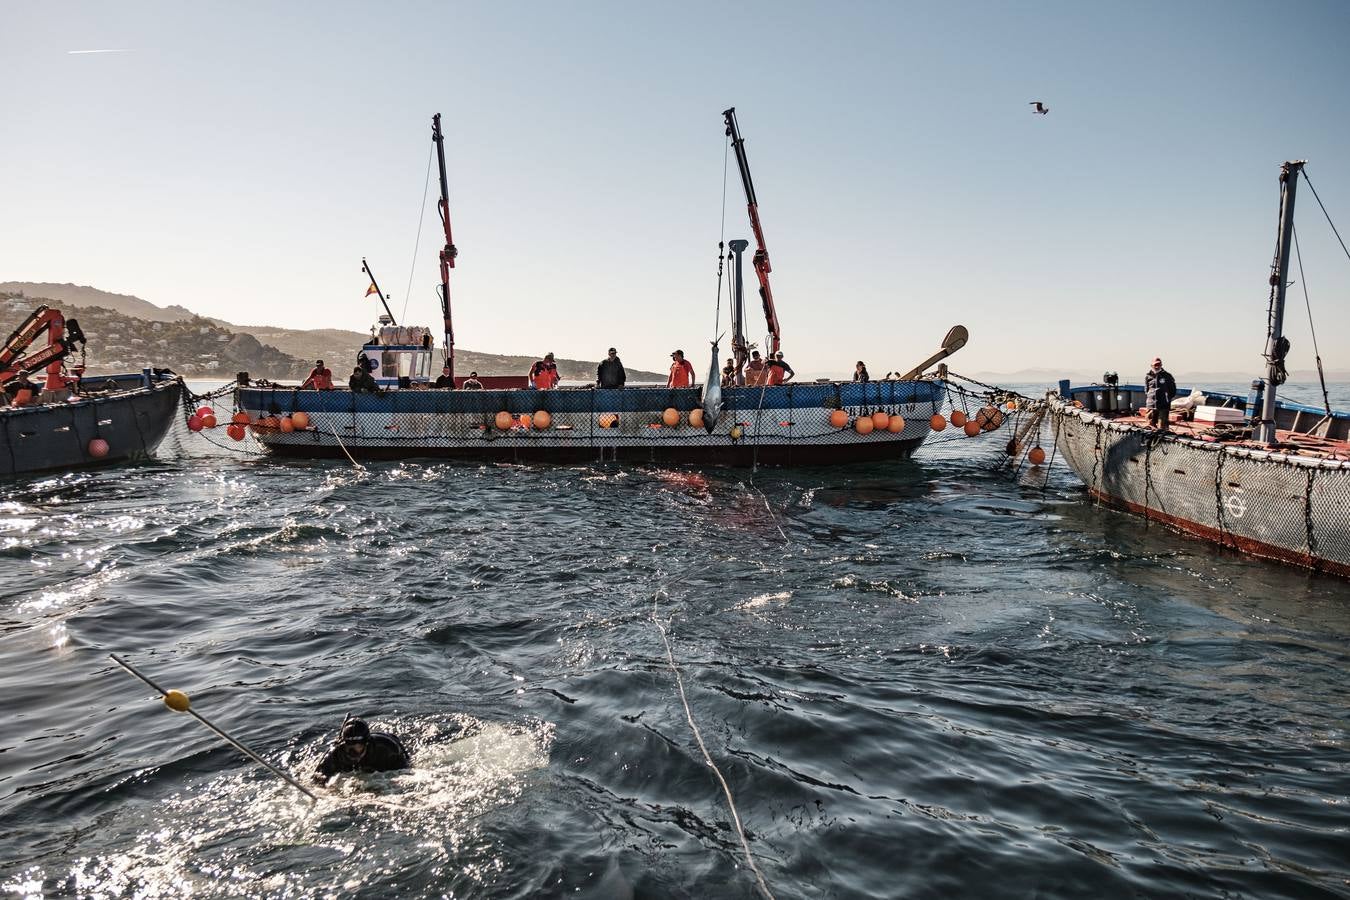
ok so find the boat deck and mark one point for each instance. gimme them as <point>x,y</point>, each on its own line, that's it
<point>1294,442</point>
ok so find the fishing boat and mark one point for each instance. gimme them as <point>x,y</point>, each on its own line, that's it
<point>75,419</point>
<point>823,422</point>
<point>1253,473</point>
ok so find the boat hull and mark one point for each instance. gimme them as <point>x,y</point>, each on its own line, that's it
<point>780,425</point>
<point>56,436</point>
<point>1279,506</point>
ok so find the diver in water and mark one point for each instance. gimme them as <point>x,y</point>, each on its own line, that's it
<point>358,749</point>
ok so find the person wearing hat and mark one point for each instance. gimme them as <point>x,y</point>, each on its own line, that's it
<point>472,383</point>
<point>610,372</point>
<point>778,370</point>
<point>1159,389</point>
<point>320,378</point>
<point>681,372</point>
<point>544,373</point>
<point>358,749</point>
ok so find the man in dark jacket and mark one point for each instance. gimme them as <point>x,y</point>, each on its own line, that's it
<point>610,373</point>
<point>445,380</point>
<point>358,749</point>
<point>363,381</point>
<point>1159,389</point>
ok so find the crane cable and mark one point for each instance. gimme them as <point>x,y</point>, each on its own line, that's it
<point>1317,354</point>
<point>426,186</point>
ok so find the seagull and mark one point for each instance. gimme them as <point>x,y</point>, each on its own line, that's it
<point>1041,109</point>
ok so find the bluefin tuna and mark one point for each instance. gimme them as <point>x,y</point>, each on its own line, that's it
<point>712,392</point>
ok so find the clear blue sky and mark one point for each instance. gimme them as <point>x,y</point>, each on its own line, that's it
<point>240,159</point>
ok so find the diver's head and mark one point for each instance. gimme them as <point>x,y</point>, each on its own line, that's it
<point>355,737</point>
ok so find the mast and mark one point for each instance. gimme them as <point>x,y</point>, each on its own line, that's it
<point>449,252</point>
<point>1276,343</point>
<point>739,349</point>
<point>761,257</point>
<point>365,267</point>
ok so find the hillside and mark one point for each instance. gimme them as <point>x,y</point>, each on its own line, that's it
<point>115,322</point>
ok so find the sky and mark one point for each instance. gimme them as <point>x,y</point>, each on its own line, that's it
<point>241,159</point>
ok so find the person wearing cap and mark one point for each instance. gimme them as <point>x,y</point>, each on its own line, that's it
<point>681,372</point>
<point>445,379</point>
<point>358,749</point>
<point>363,382</point>
<point>778,370</point>
<point>320,378</point>
<point>729,374</point>
<point>610,373</point>
<point>472,383</point>
<point>754,370</point>
<point>1159,389</point>
<point>544,373</point>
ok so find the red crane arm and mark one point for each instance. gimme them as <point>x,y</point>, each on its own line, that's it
<point>12,360</point>
<point>761,258</point>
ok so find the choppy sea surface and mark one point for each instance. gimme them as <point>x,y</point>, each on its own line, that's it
<point>925,679</point>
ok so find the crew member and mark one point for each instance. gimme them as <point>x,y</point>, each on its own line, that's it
<point>610,373</point>
<point>363,381</point>
<point>320,378</point>
<point>1159,389</point>
<point>681,372</point>
<point>21,390</point>
<point>446,380</point>
<point>779,371</point>
<point>754,370</point>
<point>729,374</point>
<point>358,749</point>
<point>472,383</point>
<point>860,373</point>
<point>544,373</point>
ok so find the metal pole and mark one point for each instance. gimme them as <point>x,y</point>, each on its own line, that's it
<point>366,268</point>
<point>738,346</point>
<point>1276,347</point>
<point>449,252</point>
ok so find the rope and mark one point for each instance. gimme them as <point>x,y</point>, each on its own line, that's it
<point>707,757</point>
<point>426,185</point>
<point>1324,212</point>
<point>1317,354</point>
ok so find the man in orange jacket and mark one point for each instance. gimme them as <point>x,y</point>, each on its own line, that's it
<point>681,372</point>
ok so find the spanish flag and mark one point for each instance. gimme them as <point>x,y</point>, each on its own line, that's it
<point>372,289</point>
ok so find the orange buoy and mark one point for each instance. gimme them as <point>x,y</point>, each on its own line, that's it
<point>839,419</point>
<point>300,419</point>
<point>504,421</point>
<point>208,421</point>
<point>1037,456</point>
<point>671,417</point>
<point>241,418</point>
<point>1011,406</point>
<point>958,418</point>
<point>608,420</point>
<point>880,420</point>
<point>937,422</point>
<point>864,425</point>
<point>269,422</point>
<point>542,419</point>
<point>896,424</point>
<point>98,448</point>
<point>235,431</point>
<point>696,418</point>
<point>287,426</point>
<point>972,428</point>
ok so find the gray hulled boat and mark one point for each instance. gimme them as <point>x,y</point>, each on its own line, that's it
<point>76,421</point>
<point>1261,476</point>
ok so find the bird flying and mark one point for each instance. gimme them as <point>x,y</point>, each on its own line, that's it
<point>1041,109</point>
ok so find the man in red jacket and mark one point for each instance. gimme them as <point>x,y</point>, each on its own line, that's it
<point>681,372</point>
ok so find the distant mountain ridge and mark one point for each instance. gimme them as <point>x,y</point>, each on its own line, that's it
<point>1083,376</point>
<point>337,347</point>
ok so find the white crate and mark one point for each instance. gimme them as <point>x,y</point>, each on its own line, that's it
<point>1215,415</point>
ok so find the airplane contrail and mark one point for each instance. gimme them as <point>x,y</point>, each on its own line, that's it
<point>119,50</point>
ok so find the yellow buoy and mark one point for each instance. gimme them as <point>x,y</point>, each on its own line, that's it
<point>736,432</point>
<point>177,701</point>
